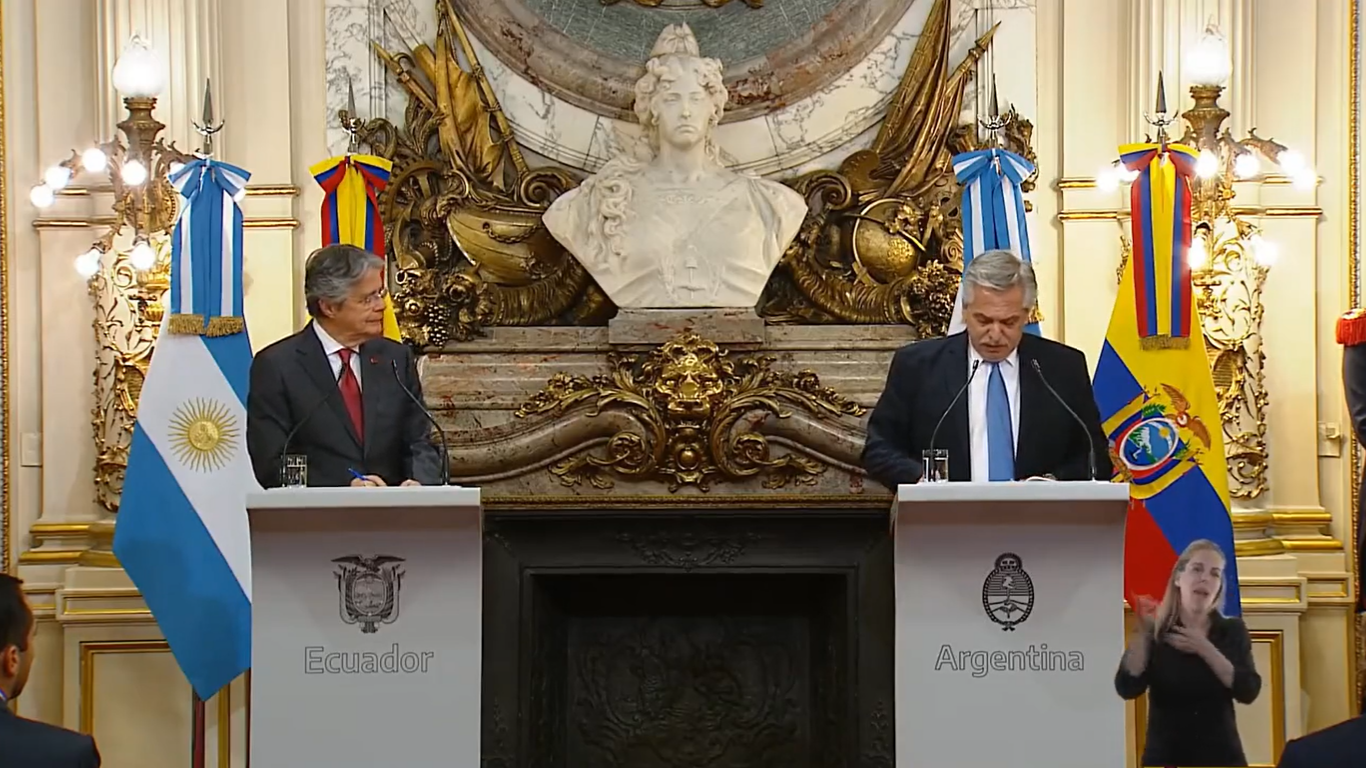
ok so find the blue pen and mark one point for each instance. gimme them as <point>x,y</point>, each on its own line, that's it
<point>357,475</point>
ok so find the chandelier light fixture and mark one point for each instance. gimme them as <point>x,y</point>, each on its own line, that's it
<point>136,165</point>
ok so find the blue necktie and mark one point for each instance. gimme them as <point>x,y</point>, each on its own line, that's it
<point>1000,440</point>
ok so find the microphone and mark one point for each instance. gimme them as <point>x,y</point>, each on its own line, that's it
<point>445,449</point>
<point>1090,441</point>
<point>975,365</point>
<point>290,436</point>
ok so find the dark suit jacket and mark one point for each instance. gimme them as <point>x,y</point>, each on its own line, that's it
<point>922,382</point>
<point>1341,746</point>
<point>1354,382</point>
<point>31,744</point>
<point>292,385</point>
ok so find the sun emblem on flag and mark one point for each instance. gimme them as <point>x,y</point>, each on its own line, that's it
<point>203,434</point>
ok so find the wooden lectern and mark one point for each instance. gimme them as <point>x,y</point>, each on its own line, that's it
<point>1009,624</point>
<point>366,626</point>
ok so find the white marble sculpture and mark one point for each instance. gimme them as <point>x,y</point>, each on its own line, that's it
<point>666,224</point>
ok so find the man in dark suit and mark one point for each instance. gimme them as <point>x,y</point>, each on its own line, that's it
<point>334,391</point>
<point>1339,746</point>
<point>28,743</point>
<point>990,385</point>
<point>1351,333</point>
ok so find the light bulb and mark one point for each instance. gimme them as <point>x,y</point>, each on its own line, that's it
<point>174,168</point>
<point>1106,179</point>
<point>1126,174</point>
<point>1291,162</point>
<point>1264,251</point>
<point>142,257</point>
<point>88,263</point>
<point>1198,254</point>
<point>138,73</point>
<point>133,173</point>
<point>1209,63</point>
<point>1304,179</point>
<point>1246,166</point>
<point>94,160</point>
<point>57,177</point>
<point>42,196</point>
<point>1206,164</point>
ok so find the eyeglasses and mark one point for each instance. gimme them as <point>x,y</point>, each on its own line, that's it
<point>373,299</point>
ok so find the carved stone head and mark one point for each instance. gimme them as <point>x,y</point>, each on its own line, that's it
<point>691,375</point>
<point>681,96</point>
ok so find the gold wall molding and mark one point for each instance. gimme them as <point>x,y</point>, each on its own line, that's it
<point>6,406</point>
<point>88,651</point>
<point>1356,625</point>
<point>1269,211</point>
<point>1089,182</point>
<point>259,190</point>
<point>85,222</point>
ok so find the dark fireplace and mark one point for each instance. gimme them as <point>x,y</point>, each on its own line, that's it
<point>724,640</point>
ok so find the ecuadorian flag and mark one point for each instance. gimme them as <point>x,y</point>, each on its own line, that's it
<point>1153,385</point>
<point>351,185</point>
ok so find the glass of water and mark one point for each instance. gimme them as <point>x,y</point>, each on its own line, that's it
<point>936,465</point>
<point>294,471</point>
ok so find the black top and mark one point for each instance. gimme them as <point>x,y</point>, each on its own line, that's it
<point>925,376</point>
<point>30,744</point>
<point>1190,711</point>
<point>1340,746</point>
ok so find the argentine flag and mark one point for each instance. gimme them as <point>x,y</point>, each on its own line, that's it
<point>182,531</point>
<point>993,211</point>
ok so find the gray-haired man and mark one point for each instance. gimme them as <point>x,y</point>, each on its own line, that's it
<point>990,386</point>
<point>334,391</point>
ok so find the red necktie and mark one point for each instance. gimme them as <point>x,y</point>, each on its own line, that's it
<point>350,392</point>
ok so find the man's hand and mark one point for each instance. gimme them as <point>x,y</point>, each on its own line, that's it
<point>369,481</point>
<point>409,483</point>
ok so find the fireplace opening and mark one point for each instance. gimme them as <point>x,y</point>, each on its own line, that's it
<point>690,670</point>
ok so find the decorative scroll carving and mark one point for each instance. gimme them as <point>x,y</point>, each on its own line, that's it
<point>695,415</point>
<point>1230,301</point>
<point>688,550</point>
<point>878,752</point>
<point>691,692</point>
<point>128,313</point>
<point>882,244</point>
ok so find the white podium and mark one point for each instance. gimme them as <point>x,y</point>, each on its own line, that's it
<point>1009,624</point>
<point>366,626</point>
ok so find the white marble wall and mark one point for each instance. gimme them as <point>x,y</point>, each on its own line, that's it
<point>816,132</point>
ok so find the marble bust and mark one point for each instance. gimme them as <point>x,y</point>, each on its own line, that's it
<point>665,225</point>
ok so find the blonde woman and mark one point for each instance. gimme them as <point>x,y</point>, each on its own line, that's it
<point>1194,663</point>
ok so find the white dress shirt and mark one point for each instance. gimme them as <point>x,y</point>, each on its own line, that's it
<point>977,408</point>
<point>331,347</point>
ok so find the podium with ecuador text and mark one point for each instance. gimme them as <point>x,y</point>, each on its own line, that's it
<point>366,626</point>
<point>1009,624</point>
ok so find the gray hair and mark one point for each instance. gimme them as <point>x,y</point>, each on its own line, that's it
<point>333,270</point>
<point>1000,271</point>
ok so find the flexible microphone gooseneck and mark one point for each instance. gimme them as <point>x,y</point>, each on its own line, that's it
<point>975,365</point>
<point>290,436</point>
<point>1090,441</point>
<point>445,449</point>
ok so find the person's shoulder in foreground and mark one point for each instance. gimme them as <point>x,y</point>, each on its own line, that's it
<point>28,743</point>
<point>1338,746</point>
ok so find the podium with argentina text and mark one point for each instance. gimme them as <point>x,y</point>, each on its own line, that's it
<point>366,626</point>
<point>1009,624</point>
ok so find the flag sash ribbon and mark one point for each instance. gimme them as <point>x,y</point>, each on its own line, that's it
<point>351,187</point>
<point>993,212</point>
<point>1160,229</point>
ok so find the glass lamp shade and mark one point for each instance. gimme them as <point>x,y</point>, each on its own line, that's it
<point>138,72</point>
<point>1209,62</point>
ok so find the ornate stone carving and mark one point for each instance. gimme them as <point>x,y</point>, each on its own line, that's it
<point>695,414</point>
<point>689,550</point>
<point>666,225</point>
<point>881,245</point>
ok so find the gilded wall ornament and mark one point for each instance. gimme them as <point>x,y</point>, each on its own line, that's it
<point>881,245</point>
<point>695,411</point>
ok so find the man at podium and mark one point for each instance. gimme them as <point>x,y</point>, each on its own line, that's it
<point>337,394</point>
<point>1003,404</point>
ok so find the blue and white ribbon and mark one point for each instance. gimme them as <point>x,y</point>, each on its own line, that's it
<point>993,211</point>
<point>206,249</point>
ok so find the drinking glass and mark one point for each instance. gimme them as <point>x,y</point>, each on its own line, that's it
<point>936,462</point>
<point>294,471</point>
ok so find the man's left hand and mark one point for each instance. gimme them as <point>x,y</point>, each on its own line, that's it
<point>408,483</point>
